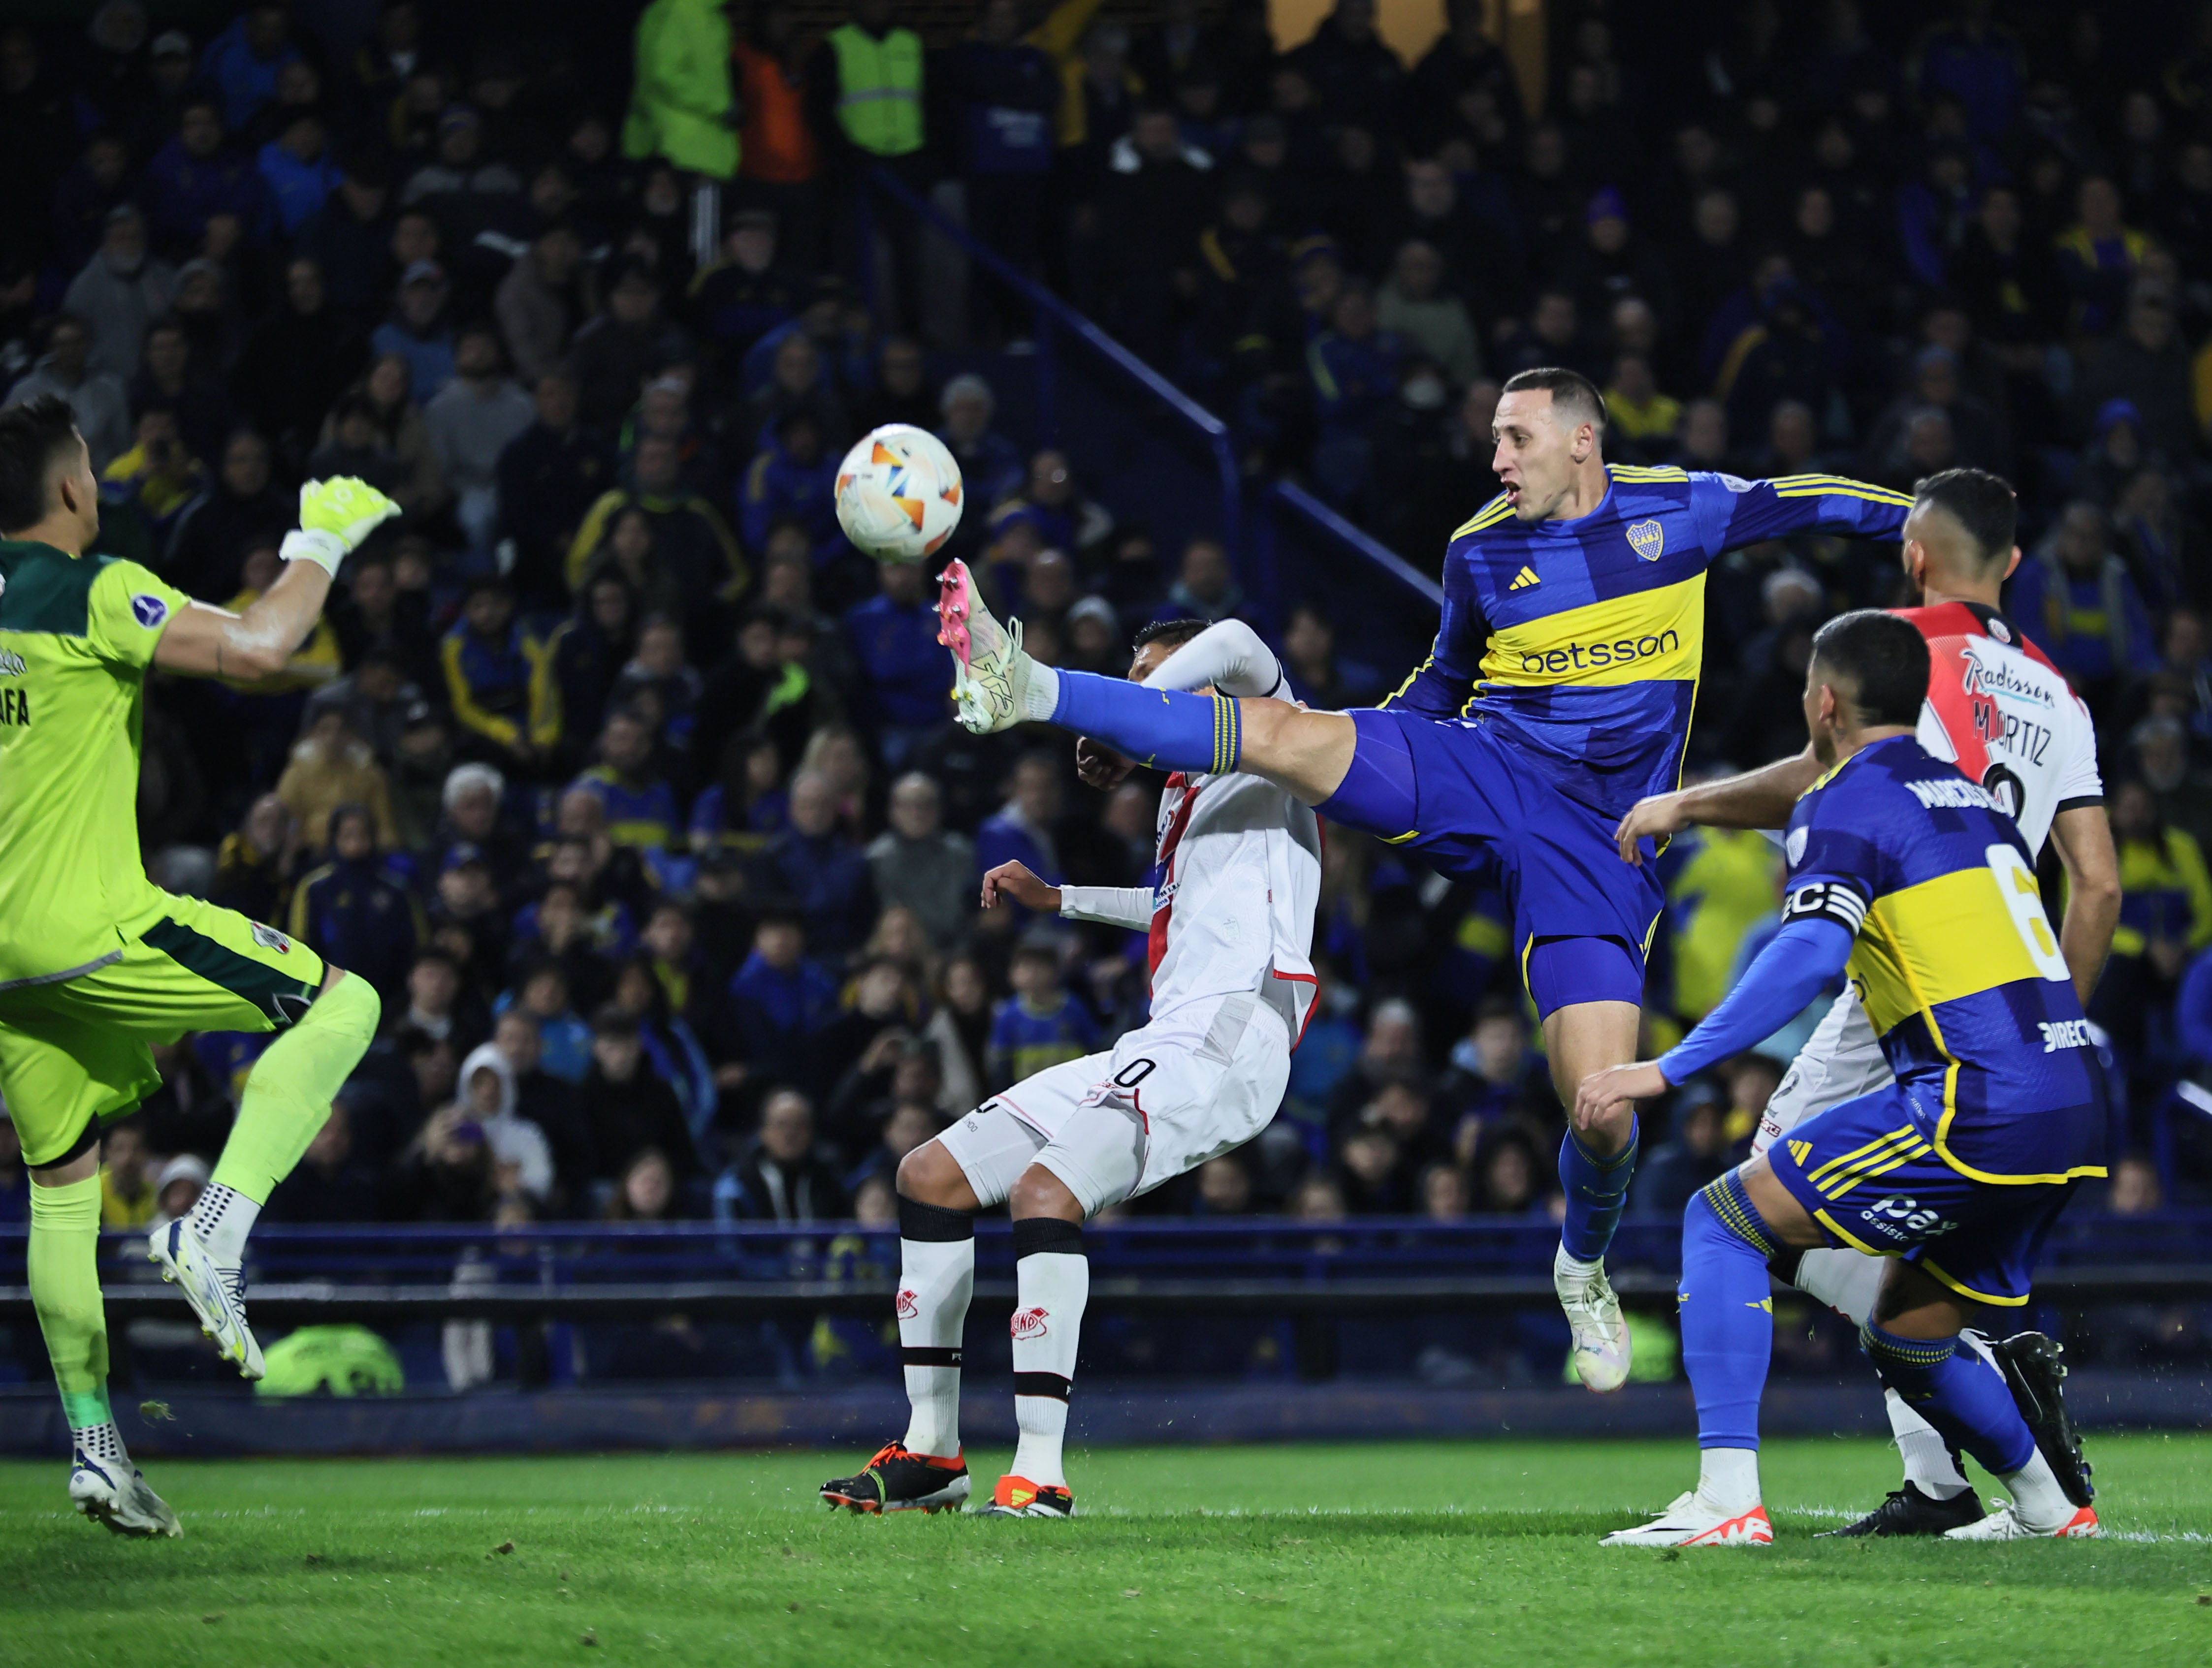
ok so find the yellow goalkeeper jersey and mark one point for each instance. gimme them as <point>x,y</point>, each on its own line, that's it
<point>77,634</point>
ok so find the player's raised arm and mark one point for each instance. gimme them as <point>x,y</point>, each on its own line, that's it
<point>1760,798</point>
<point>201,640</point>
<point>1732,512</point>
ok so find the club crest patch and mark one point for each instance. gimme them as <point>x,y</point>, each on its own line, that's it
<point>269,938</point>
<point>1648,539</point>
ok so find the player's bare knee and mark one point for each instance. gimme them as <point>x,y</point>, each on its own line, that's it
<point>931,1175</point>
<point>1039,1193</point>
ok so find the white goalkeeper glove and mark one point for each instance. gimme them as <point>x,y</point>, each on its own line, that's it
<point>335,516</point>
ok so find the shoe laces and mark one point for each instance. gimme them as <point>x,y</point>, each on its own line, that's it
<point>232,1281</point>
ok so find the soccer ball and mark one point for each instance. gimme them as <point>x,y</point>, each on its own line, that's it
<point>898,494</point>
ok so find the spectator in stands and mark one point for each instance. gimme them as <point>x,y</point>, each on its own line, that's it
<point>1415,306</point>
<point>195,178</point>
<point>783,1175</point>
<point>472,421</point>
<point>1206,587</point>
<point>626,1108</point>
<point>2146,364</point>
<point>893,637</point>
<point>1022,830</point>
<point>331,1187</point>
<point>564,1041</point>
<point>447,1174</point>
<point>1003,91</point>
<point>645,1191</point>
<point>1696,1151</point>
<point>616,353</point>
<point>257,861</point>
<point>1507,1168</point>
<point>1391,1052</point>
<point>521,1156</point>
<point>793,478</point>
<point>298,362</point>
<point>350,913</point>
<point>545,295</point>
<point>640,806</point>
<point>2074,598</point>
<point>95,397</point>
<point>1041,1024</point>
<point>781,1001</point>
<point>548,477</point>
<point>419,331</point>
<point>691,544</point>
<point>549,1102</point>
<point>991,465</point>
<point>330,766</point>
<point>917,863</point>
<point>818,871</point>
<point>498,677</point>
<point>149,485</point>
<point>120,291</point>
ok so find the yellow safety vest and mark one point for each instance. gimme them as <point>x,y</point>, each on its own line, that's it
<point>880,90</point>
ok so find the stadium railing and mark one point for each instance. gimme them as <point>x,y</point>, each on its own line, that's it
<point>1358,1268</point>
<point>1282,537</point>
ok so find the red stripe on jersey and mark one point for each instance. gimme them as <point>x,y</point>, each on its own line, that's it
<point>1155,941</point>
<point>1315,1002</point>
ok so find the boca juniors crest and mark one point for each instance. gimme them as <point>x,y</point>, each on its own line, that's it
<point>1648,539</point>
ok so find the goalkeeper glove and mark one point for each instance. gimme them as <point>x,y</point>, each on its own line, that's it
<point>335,516</point>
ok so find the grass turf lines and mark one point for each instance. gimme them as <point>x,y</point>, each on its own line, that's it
<point>1404,1554</point>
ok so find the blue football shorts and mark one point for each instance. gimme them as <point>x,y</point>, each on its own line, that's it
<point>1452,791</point>
<point>1870,1177</point>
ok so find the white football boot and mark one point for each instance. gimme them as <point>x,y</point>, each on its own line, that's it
<point>113,1493</point>
<point>217,1293</point>
<point>1693,1521</point>
<point>1602,1347</point>
<point>2006,1524</point>
<point>990,674</point>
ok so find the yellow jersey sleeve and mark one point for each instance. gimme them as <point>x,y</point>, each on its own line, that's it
<point>127,609</point>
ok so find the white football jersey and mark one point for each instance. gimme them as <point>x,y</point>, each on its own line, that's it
<point>1232,907</point>
<point>1999,710</point>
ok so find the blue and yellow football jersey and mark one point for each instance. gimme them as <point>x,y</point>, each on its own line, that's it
<point>1582,640</point>
<point>1956,962</point>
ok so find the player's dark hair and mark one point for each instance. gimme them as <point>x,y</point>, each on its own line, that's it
<point>1573,395</point>
<point>34,437</point>
<point>1884,659</point>
<point>1979,501</point>
<point>1173,634</point>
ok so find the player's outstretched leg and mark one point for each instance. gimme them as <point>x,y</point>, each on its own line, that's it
<point>288,1097</point>
<point>64,1279</point>
<point>1728,1335</point>
<point>1052,1285</point>
<point>925,1470</point>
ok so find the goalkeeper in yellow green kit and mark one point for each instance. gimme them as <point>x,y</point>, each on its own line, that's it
<point>96,961</point>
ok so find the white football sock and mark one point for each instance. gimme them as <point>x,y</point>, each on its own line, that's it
<point>222,1218</point>
<point>1846,1280</point>
<point>937,1277</point>
<point>2036,1495</point>
<point>102,1443</point>
<point>1041,694</point>
<point>1728,1478</point>
<point>1052,1282</point>
<point>1929,1466</point>
<point>1231,657</point>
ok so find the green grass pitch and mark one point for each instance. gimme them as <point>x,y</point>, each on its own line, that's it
<point>1398,1554</point>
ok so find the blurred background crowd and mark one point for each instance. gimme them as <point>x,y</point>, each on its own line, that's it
<point>633,788</point>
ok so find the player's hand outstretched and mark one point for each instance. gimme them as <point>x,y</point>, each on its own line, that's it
<point>1657,818</point>
<point>1011,882</point>
<point>1602,1092</point>
<point>1099,765</point>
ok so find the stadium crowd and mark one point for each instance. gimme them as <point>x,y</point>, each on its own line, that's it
<point>633,789</point>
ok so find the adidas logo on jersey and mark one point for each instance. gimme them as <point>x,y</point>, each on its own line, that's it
<point>1524,580</point>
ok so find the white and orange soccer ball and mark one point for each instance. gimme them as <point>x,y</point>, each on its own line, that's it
<point>898,494</point>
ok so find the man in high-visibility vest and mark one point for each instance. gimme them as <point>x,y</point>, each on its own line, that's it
<point>864,88</point>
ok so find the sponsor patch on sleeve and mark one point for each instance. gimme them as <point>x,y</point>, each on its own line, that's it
<point>149,611</point>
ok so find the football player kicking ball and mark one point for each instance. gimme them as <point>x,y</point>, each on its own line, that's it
<point>2001,712</point>
<point>96,961</point>
<point>1910,875</point>
<point>1558,695</point>
<point>1229,928</point>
